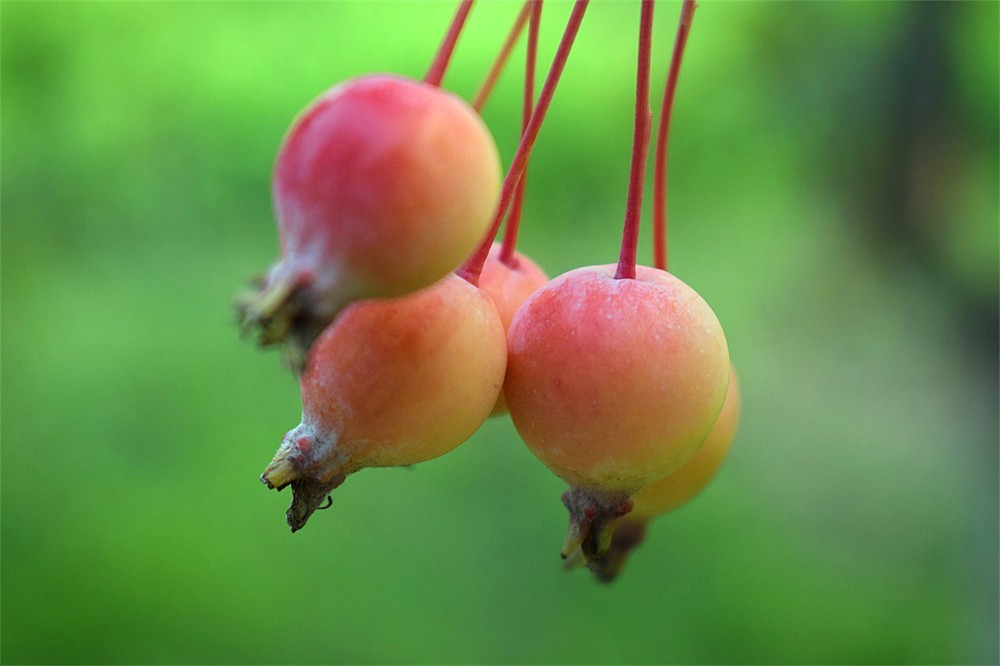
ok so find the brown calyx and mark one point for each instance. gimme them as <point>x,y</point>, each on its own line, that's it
<point>593,515</point>
<point>281,311</point>
<point>312,476</point>
<point>628,535</point>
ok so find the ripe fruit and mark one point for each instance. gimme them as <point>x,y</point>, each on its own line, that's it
<point>509,285</point>
<point>674,490</point>
<point>381,187</point>
<point>613,384</point>
<point>391,382</point>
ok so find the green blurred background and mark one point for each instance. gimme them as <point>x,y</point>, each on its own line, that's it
<point>834,196</point>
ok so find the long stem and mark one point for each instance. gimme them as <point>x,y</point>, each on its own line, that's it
<point>514,218</point>
<point>479,101</point>
<point>640,147</point>
<point>473,266</point>
<point>436,73</point>
<point>662,134</point>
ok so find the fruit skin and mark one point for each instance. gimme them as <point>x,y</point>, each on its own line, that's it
<point>392,382</point>
<point>684,484</point>
<point>381,187</point>
<point>674,490</point>
<point>509,285</point>
<point>614,384</point>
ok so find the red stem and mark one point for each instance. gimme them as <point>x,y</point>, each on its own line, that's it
<point>662,134</point>
<point>473,266</point>
<point>436,73</point>
<point>501,60</point>
<point>640,147</point>
<point>514,219</point>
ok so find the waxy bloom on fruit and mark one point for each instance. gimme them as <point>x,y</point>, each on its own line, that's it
<point>391,382</point>
<point>381,187</point>
<point>509,284</point>
<point>674,490</point>
<point>613,384</point>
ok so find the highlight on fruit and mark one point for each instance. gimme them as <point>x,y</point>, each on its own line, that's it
<point>410,320</point>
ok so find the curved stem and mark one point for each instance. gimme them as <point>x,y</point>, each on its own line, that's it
<point>479,101</point>
<point>662,134</point>
<point>473,266</point>
<point>514,219</point>
<point>640,147</point>
<point>436,72</point>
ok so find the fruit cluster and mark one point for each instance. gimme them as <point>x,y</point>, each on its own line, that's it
<point>410,326</point>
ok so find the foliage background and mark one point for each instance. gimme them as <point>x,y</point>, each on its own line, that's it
<point>833,196</point>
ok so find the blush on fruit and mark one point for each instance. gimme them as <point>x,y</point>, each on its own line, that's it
<point>391,382</point>
<point>381,187</point>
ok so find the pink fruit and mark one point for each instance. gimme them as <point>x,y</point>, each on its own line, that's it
<point>391,382</point>
<point>509,285</point>
<point>613,384</point>
<point>381,187</point>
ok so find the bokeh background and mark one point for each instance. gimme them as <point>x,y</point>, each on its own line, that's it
<point>834,196</point>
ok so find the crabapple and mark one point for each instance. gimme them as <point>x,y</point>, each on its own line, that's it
<point>391,382</point>
<point>674,490</point>
<point>509,284</point>
<point>381,187</point>
<point>613,384</point>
